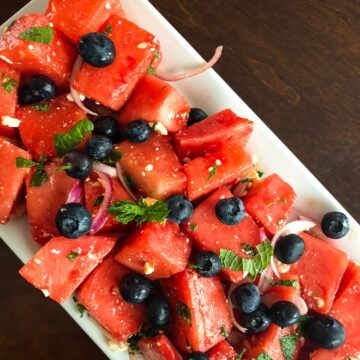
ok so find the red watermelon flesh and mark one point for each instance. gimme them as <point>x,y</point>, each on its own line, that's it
<point>158,348</point>
<point>222,351</point>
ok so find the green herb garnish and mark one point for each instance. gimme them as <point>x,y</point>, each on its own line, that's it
<point>113,158</point>
<point>288,345</point>
<point>151,69</point>
<point>108,29</point>
<point>64,167</point>
<point>260,173</point>
<point>282,200</point>
<point>263,356</point>
<point>37,34</point>
<point>240,355</point>
<point>41,107</point>
<point>184,311</point>
<point>192,227</point>
<point>81,308</point>
<point>247,180</point>
<point>223,332</point>
<point>9,84</point>
<point>213,170</point>
<point>248,249</point>
<point>40,176</point>
<point>193,266</point>
<point>73,255</point>
<point>293,283</point>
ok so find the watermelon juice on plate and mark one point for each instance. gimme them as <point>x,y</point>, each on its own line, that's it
<point>148,218</point>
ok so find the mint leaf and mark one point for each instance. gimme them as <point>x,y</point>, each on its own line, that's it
<point>282,200</point>
<point>39,178</point>
<point>73,255</point>
<point>81,308</point>
<point>37,34</point>
<point>113,158</point>
<point>63,168</point>
<point>247,180</point>
<point>41,107</point>
<point>9,84</point>
<point>213,171</point>
<point>68,141</point>
<point>254,266</point>
<point>184,311</point>
<point>193,266</point>
<point>293,283</point>
<point>248,249</point>
<point>223,332</point>
<point>288,345</point>
<point>151,69</point>
<point>98,201</point>
<point>125,211</point>
<point>192,227</point>
<point>260,173</point>
<point>263,356</point>
<point>23,162</point>
<point>240,355</point>
<point>108,29</point>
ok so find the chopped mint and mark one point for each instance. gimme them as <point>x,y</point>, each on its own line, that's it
<point>223,332</point>
<point>263,356</point>
<point>184,311</point>
<point>288,345</point>
<point>81,308</point>
<point>40,176</point>
<point>213,170</point>
<point>247,180</point>
<point>193,266</point>
<point>9,84</point>
<point>113,158</point>
<point>41,107</point>
<point>240,355</point>
<point>108,29</point>
<point>73,255</point>
<point>283,200</point>
<point>248,249</point>
<point>192,227</point>
<point>23,162</point>
<point>151,69</point>
<point>63,168</point>
<point>37,34</point>
<point>260,173</point>
<point>293,283</point>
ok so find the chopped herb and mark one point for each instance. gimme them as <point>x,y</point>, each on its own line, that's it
<point>108,29</point>
<point>41,107</point>
<point>153,126</point>
<point>151,69</point>
<point>254,266</point>
<point>125,211</point>
<point>192,227</point>
<point>288,345</point>
<point>293,283</point>
<point>247,180</point>
<point>280,222</point>
<point>73,255</point>
<point>223,332</point>
<point>184,312</point>
<point>81,308</point>
<point>23,162</point>
<point>41,35</point>
<point>283,200</point>
<point>40,176</point>
<point>98,201</point>
<point>213,171</point>
<point>66,142</point>
<point>133,344</point>
<point>248,249</point>
<point>10,25</point>
<point>129,182</point>
<point>63,168</point>
<point>9,84</point>
<point>270,203</point>
<point>263,356</point>
<point>240,355</point>
<point>113,158</point>
<point>260,173</point>
<point>193,266</point>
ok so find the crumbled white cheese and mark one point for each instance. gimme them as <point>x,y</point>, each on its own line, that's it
<point>31,47</point>
<point>45,292</point>
<point>143,45</point>
<point>116,346</point>
<point>9,121</point>
<point>148,268</point>
<point>69,97</point>
<point>210,169</point>
<point>82,97</point>
<point>218,162</point>
<point>108,6</point>
<point>55,251</point>
<point>149,167</point>
<point>160,128</point>
<point>6,59</point>
<point>37,261</point>
<point>319,302</point>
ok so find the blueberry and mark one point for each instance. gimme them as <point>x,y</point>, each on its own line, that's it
<point>325,332</point>
<point>180,208</point>
<point>138,131</point>
<point>39,88</point>
<point>158,311</point>
<point>207,264</point>
<point>284,314</point>
<point>98,147</point>
<point>246,297</point>
<point>196,115</point>
<point>256,321</point>
<point>97,49</point>
<point>335,225</point>
<point>79,163</point>
<point>230,211</point>
<point>73,220</point>
<point>197,355</point>
<point>135,288</point>
<point>108,126</point>
<point>289,249</point>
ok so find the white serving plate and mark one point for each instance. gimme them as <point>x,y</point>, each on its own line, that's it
<point>210,92</point>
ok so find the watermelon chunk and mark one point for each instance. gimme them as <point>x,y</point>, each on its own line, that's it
<point>85,16</point>
<point>61,265</point>
<point>54,60</point>
<point>270,201</point>
<point>113,85</point>
<point>205,136</point>
<point>43,202</point>
<point>207,173</point>
<point>222,351</point>
<point>9,83</point>
<point>154,100</point>
<point>320,271</point>
<point>11,178</point>
<point>101,297</point>
<point>94,190</point>
<point>37,128</point>
<point>162,247</point>
<point>158,348</point>
<point>199,310</point>
<point>153,166</point>
<point>210,234</point>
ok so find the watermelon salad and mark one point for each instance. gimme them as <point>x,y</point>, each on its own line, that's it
<point>151,214</point>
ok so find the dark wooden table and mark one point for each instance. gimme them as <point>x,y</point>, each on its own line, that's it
<point>295,63</point>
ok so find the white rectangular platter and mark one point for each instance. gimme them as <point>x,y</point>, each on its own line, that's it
<point>211,93</point>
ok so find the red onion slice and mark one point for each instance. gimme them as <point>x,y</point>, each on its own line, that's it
<point>194,72</point>
<point>108,170</point>
<point>102,214</point>
<point>316,230</point>
<point>75,95</point>
<point>75,194</point>
<point>231,309</point>
<point>121,176</point>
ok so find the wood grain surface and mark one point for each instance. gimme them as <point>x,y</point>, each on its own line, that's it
<point>295,63</point>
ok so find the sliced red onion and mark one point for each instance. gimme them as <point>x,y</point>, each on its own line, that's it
<point>75,194</point>
<point>102,214</point>
<point>194,72</point>
<point>108,170</point>
<point>265,279</point>
<point>231,309</point>
<point>121,176</point>
<point>75,95</point>
<point>240,189</point>
<point>316,230</point>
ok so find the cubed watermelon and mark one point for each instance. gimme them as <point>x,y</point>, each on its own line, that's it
<point>9,83</point>
<point>205,174</point>
<point>153,167</point>
<point>199,310</point>
<point>205,136</point>
<point>37,128</point>
<point>93,193</point>
<point>61,265</point>
<point>158,348</point>
<point>156,250</point>
<point>222,351</point>
<point>101,297</point>
<point>270,201</point>
<point>43,202</point>
<point>113,85</point>
<point>11,177</point>
<point>83,17</point>
<point>320,271</point>
<point>210,234</point>
<point>154,100</point>
<point>345,352</point>
<point>36,57</point>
